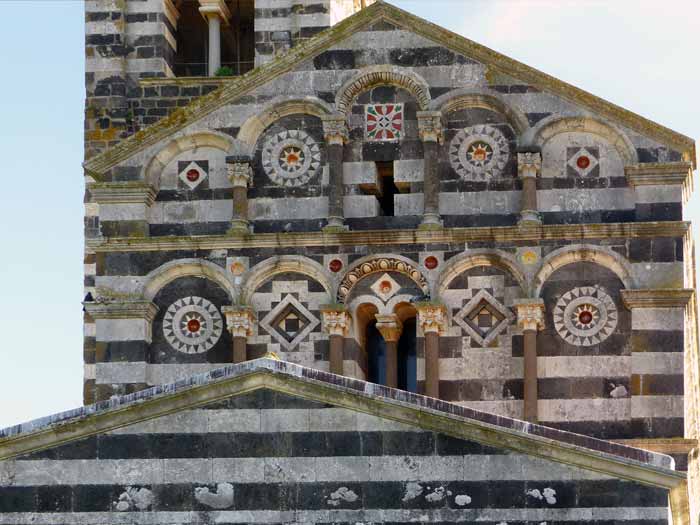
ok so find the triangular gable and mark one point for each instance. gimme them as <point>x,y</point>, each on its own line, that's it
<point>496,62</point>
<point>417,411</point>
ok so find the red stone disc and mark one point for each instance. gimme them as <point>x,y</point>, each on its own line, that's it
<point>585,317</point>
<point>583,162</point>
<point>335,265</point>
<point>192,175</point>
<point>431,262</point>
<point>193,325</point>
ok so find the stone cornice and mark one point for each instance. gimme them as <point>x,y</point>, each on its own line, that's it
<point>659,174</point>
<point>145,310</point>
<point>662,298</point>
<point>532,234</point>
<point>428,414</point>
<point>495,62</point>
<point>122,193</point>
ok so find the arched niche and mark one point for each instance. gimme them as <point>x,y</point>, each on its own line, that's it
<point>583,253</point>
<point>172,270</point>
<point>377,264</point>
<point>497,258</point>
<point>373,76</point>
<point>255,126</point>
<point>194,141</point>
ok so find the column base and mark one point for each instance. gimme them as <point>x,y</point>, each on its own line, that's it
<point>431,221</point>
<point>335,225</point>
<point>239,228</point>
<point>530,218</point>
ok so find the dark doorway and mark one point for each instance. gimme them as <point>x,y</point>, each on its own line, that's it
<point>376,355</point>
<point>407,363</point>
<point>388,188</point>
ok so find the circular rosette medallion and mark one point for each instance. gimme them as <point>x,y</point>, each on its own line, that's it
<point>291,158</point>
<point>192,325</point>
<point>479,152</point>
<point>585,316</point>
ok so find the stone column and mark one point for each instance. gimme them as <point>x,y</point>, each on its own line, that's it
<point>530,321</point>
<point>529,168</point>
<point>432,318</point>
<point>335,131</point>
<point>336,323</point>
<point>239,321</point>
<point>430,128</point>
<point>215,11</point>
<point>240,173</point>
<point>390,327</point>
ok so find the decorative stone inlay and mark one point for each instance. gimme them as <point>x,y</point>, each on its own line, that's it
<point>239,320</point>
<point>385,287</point>
<point>484,318</point>
<point>192,325</point>
<point>290,322</point>
<point>529,257</point>
<point>291,158</point>
<point>384,122</point>
<point>383,264</point>
<point>432,317</point>
<point>585,316</point>
<point>479,152</point>
<point>582,161</point>
<point>336,322</point>
<point>335,265</point>
<point>192,175</point>
<point>431,262</point>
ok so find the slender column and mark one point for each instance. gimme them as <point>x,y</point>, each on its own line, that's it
<point>240,174</point>
<point>239,321</point>
<point>530,321</point>
<point>529,167</point>
<point>336,323</point>
<point>430,129</point>
<point>335,131</point>
<point>390,327</point>
<point>215,11</point>
<point>432,318</point>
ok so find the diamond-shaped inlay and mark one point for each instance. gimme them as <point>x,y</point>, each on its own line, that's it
<point>193,175</point>
<point>385,287</point>
<point>583,160</point>
<point>484,318</point>
<point>290,322</point>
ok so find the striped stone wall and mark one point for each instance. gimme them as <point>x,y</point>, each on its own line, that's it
<point>266,457</point>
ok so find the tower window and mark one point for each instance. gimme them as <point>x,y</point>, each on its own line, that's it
<point>388,188</point>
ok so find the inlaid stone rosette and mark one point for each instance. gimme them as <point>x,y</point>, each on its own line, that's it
<point>479,153</point>
<point>585,316</point>
<point>291,158</point>
<point>192,325</point>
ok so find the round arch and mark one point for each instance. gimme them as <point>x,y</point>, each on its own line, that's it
<point>552,126</point>
<point>204,139</point>
<point>172,270</point>
<point>381,263</point>
<point>370,77</point>
<point>267,269</point>
<point>459,99</point>
<point>476,258</point>
<point>584,253</point>
<point>276,109</point>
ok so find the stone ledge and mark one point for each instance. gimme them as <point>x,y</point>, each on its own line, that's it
<point>660,174</point>
<point>145,310</point>
<point>576,232</point>
<point>122,193</point>
<point>660,298</point>
<point>186,81</point>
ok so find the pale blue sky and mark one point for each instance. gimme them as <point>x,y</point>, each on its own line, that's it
<point>640,54</point>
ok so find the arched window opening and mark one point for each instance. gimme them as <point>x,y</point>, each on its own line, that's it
<point>376,354</point>
<point>406,355</point>
<point>237,39</point>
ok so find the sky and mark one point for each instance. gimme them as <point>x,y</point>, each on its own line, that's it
<point>640,54</point>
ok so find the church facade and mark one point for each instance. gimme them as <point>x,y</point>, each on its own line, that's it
<point>345,266</point>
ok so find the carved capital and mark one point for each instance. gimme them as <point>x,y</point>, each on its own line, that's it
<point>335,129</point>
<point>336,322</point>
<point>218,8</point>
<point>390,327</point>
<point>239,320</point>
<point>432,317</point>
<point>530,314</point>
<point>239,171</point>
<point>529,164</point>
<point>430,126</point>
